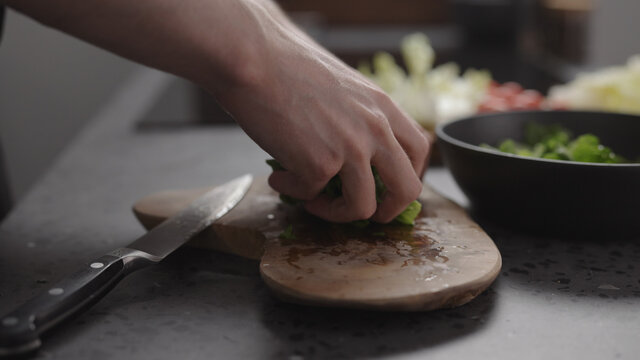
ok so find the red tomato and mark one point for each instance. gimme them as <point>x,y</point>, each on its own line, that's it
<point>510,96</point>
<point>528,101</point>
<point>507,91</point>
<point>494,105</point>
<point>513,86</point>
<point>532,93</point>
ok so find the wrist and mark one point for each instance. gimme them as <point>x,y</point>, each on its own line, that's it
<point>241,60</point>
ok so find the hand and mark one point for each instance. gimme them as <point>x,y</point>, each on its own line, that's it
<point>318,118</point>
<point>311,112</point>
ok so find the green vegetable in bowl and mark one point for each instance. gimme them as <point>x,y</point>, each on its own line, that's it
<point>334,189</point>
<point>556,143</point>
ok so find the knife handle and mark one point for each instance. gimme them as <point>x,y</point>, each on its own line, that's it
<point>20,330</point>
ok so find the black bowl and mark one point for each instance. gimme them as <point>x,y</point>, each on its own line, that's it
<point>549,197</point>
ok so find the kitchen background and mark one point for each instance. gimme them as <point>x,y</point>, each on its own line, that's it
<point>51,85</point>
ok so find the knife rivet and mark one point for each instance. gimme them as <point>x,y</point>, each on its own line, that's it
<point>56,291</point>
<point>97,265</point>
<point>10,321</point>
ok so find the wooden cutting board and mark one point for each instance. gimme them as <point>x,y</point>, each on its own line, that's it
<point>445,260</point>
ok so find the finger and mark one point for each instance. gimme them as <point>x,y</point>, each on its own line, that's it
<point>432,139</point>
<point>291,184</point>
<point>402,183</point>
<point>358,200</point>
<point>413,138</point>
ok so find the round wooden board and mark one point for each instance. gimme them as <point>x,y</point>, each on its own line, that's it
<point>445,260</point>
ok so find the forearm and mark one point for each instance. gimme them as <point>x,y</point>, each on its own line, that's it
<point>306,108</point>
<point>215,43</point>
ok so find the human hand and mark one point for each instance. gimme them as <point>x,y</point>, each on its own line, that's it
<point>318,118</point>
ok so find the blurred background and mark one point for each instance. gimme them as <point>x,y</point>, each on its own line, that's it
<point>51,85</point>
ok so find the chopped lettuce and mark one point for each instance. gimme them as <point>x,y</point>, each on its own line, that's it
<point>555,142</point>
<point>333,189</point>
<point>408,216</point>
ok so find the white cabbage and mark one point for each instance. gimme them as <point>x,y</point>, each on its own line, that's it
<point>429,95</point>
<point>615,89</point>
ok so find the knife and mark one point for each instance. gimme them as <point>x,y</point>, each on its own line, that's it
<point>20,330</point>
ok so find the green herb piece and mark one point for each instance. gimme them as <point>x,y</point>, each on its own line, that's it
<point>360,224</point>
<point>379,233</point>
<point>508,146</point>
<point>380,187</point>
<point>288,233</point>
<point>409,214</point>
<point>333,189</point>
<point>275,165</point>
<point>289,200</point>
<point>551,135</point>
<point>539,150</point>
<point>552,156</point>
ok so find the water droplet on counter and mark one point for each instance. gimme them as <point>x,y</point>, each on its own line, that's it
<point>608,287</point>
<point>10,321</point>
<point>56,291</point>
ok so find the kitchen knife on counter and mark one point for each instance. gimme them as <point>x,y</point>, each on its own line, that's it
<point>20,330</point>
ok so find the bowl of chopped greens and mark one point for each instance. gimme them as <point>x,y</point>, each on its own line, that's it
<point>549,172</point>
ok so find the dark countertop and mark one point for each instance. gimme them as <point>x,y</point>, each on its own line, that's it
<point>555,298</point>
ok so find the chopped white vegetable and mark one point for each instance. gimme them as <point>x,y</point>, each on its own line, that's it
<point>615,89</point>
<point>429,95</point>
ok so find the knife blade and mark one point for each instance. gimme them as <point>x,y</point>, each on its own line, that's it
<point>20,330</point>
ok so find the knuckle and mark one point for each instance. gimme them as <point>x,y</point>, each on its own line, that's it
<point>358,152</point>
<point>322,170</point>
<point>310,188</point>
<point>379,125</point>
<point>380,97</point>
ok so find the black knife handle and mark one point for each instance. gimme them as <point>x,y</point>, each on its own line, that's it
<point>20,330</point>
